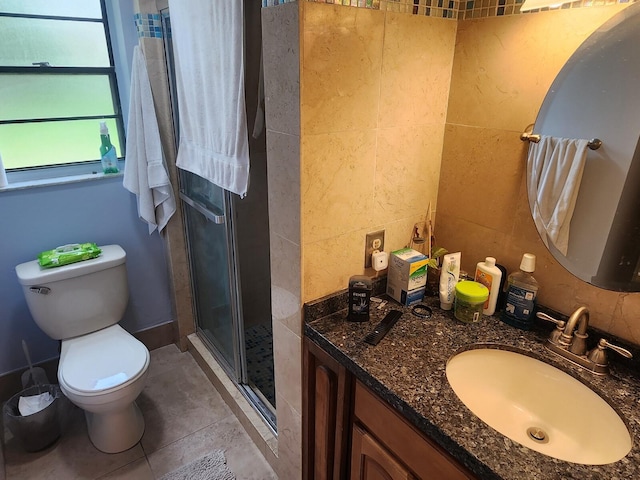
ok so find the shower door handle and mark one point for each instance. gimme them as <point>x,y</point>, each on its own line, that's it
<point>209,215</point>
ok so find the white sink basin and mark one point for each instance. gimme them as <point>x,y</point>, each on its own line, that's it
<point>538,406</point>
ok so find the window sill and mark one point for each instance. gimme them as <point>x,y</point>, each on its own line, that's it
<point>48,182</point>
<point>60,175</point>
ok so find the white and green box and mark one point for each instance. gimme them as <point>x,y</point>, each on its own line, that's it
<point>407,276</point>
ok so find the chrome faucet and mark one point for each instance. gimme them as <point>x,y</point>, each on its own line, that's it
<point>569,340</point>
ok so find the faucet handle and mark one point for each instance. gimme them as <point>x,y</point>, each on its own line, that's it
<point>599,355</point>
<point>555,335</point>
<point>622,351</point>
<point>549,318</point>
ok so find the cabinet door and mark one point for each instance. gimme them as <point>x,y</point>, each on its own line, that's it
<point>326,400</point>
<point>371,461</point>
<point>427,460</point>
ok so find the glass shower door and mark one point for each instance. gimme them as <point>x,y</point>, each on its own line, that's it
<point>228,245</point>
<point>210,263</point>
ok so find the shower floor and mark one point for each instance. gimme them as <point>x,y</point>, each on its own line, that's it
<point>258,341</point>
<point>259,346</point>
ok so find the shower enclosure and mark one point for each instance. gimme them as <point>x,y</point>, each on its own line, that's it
<point>228,242</point>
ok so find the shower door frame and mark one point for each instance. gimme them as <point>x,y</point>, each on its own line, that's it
<point>238,372</point>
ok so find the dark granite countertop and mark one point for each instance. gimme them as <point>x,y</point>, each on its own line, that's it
<point>407,369</point>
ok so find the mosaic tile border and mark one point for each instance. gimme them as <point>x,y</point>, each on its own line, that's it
<point>148,25</point>
<point>274,3</point>
<point>497,8</point>
<point>451,9</point>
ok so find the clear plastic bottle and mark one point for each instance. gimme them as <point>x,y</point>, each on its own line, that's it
<point>108,156</point>
<point>522,290</point>
<point>489,275</point>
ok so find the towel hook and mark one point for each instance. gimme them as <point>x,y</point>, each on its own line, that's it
<point>528,136</point>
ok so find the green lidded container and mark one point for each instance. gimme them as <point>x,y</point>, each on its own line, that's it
<point>469,301</point>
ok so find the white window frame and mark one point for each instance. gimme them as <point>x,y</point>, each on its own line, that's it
<point>123,38</point>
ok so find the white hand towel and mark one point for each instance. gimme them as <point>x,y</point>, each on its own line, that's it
<point>554,173</point>
<point>208,41</point>
<point>145,172</point>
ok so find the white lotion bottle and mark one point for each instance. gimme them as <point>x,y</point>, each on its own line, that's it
<point>449,276</point>
<point>489,275</point>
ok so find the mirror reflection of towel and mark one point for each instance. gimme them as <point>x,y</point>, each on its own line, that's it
<point>554,173</point>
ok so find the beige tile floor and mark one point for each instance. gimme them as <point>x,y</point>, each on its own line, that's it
<point>185,419</point>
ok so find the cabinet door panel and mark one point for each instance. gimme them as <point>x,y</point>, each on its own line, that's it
<point>326,404</point>
<point>325,422</point>
<point>370,461</point>
<point>423,456</point>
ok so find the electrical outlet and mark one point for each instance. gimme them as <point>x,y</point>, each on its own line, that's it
<point>375,241</point>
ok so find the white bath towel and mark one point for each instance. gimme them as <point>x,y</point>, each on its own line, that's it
<point>554,173</point>
<point>209,55</point>
<point>145,172</point>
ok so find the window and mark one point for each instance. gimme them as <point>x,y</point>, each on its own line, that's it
<point>57,83</point>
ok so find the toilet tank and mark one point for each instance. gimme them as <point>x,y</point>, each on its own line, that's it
<point>79,298</point>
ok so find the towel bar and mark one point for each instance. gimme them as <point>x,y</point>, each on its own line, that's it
<point>527,136</point>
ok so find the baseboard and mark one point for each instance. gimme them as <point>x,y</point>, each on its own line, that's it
<point>158,336</point>
<point>154,337</point>
<point>261,434</point>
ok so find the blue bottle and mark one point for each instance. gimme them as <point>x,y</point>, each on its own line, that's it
<point>522,290</point>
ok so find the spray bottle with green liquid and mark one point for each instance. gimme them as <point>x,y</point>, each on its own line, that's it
<point>108,156</point>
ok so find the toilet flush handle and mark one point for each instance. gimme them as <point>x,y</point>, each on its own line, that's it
<point>41,290</point>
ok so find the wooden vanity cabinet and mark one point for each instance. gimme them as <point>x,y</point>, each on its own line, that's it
<point>372,461</point>
<point>349,433</point>
<point>400,450</point>
<point>326,399</point>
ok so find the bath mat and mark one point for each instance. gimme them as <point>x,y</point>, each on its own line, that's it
<point>209,467</point>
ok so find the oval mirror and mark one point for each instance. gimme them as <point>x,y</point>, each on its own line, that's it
<point>597,95</point>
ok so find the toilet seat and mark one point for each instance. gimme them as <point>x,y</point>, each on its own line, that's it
<point>102,362</point>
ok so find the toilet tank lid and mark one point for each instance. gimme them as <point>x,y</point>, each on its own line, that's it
<point>31,273</point>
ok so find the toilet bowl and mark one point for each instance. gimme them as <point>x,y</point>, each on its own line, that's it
<point>103,373</point>
<point>102,367</point>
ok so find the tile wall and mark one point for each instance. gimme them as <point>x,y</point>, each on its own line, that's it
<point>492,8</point>
<point>377,125</point>
<point>496,91</point>
<point>373,107</point>
<point>148,25</point>
<point>370,152</point>
<point>281,59</point>
<point>337,100</point>
<point>453,9</point>
<point>147,18</point>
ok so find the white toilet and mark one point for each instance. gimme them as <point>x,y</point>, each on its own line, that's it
<point>102,367</point>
